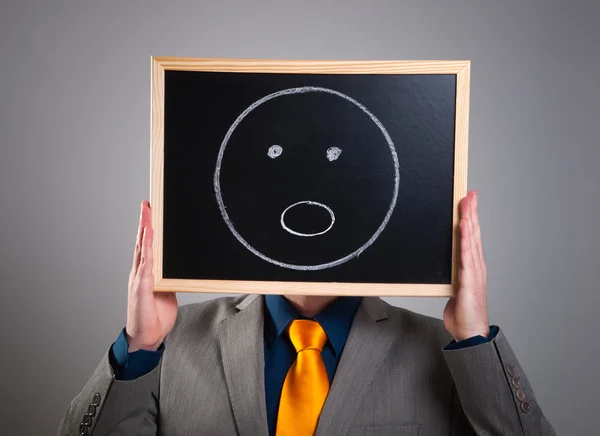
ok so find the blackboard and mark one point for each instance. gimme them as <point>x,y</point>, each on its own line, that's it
<point>319,177</point>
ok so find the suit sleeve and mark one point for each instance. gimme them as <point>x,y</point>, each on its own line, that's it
<point>107,406</point>
<point>129,366</point>
<point>494,393</point>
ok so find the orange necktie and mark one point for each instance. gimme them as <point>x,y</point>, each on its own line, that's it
<point>306,383</point>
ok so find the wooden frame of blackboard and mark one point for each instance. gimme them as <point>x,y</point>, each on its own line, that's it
<point>160,64</point>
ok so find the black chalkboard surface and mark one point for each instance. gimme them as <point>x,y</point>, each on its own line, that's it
<point>307,181</point>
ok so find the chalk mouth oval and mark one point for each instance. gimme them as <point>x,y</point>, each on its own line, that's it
<point>309,203</point>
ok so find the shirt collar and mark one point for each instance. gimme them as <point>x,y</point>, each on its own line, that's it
<point>336,319</point>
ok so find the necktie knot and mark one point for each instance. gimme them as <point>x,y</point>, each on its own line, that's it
<point>306,335</point>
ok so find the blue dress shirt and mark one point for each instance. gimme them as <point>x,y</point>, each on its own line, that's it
<point>280,354</point>
<point>335,319</point>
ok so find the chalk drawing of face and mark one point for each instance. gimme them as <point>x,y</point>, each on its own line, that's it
<point>306,178</point>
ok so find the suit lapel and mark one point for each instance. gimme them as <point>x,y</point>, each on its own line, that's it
<point>242,347</point>
<point>368,343</point>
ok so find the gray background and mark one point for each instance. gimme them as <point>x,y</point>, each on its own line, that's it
<point>74,166</point>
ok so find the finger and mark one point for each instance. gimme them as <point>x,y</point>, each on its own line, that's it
<point>477,230</point>
<point>468,276</point>
<point>145,275</point>
<point>463,207</point>
<point>475,219</point>
<point>138,245</point>
<point>146,214</point>
<point>144,220</point>
<point>472,232</point>
<point>476,235</point>
<point>467,212</point>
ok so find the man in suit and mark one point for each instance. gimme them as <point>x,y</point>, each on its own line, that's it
<point>301,365</point>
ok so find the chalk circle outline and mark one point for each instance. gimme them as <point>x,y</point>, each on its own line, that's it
<point>310,203</point>
<point>219,195</point>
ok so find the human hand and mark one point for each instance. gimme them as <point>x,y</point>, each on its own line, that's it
<point>465,314</point>
<point>150,315</point>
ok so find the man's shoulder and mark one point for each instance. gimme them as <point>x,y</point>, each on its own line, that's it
<point>204,317</point>
<point>210,311</point>
<point>412,324</point>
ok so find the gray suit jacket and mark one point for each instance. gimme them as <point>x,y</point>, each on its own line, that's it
<point>393,378</point>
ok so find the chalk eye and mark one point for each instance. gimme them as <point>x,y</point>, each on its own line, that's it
<point>333,153</point>
<point>275,151</point>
